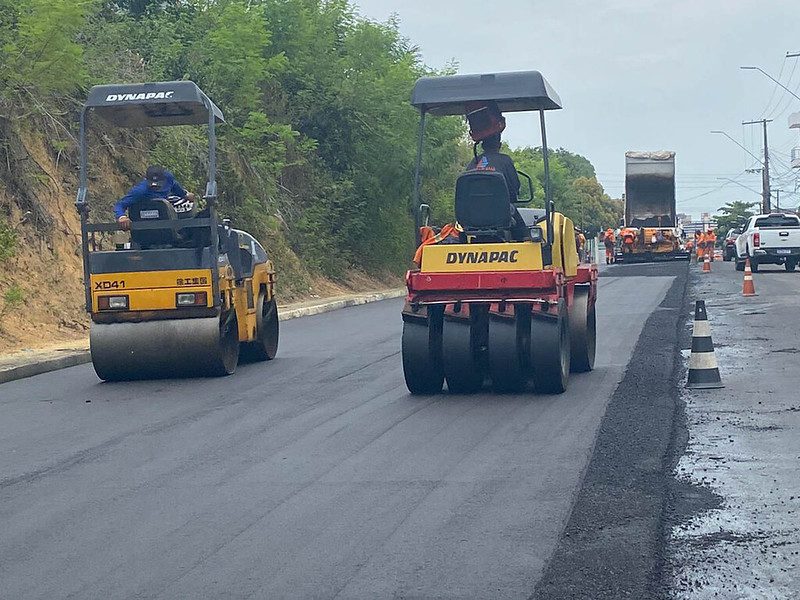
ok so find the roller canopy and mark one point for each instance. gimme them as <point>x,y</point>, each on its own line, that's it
<point>152,104</point>
<point>513,92</point>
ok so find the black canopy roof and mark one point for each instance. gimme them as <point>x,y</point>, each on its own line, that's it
<point>515,91</point>
<point>152,104</point>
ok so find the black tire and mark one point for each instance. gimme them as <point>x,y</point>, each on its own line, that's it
<point>265,346</point>
<point>583,331</point>
<point>550,351</point>
<point>461,347</point>
<point>509,350</point>
<point>790,265</point>
<point>422,354</point>
<point>228,358</point>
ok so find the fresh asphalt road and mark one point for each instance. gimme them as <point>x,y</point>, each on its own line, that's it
<point>313,476</point>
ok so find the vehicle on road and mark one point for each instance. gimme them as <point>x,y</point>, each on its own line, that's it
<point>486,302</point>
<point>649,230</point>
<point>769,239</point>
<point>729,244</point>
<point>187,293</point>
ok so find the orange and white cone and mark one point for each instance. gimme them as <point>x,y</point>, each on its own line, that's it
<point>703,369</point>
<point>707,264</point>
<point>749,288</point>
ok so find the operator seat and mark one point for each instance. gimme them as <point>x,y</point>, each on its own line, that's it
<point>156,209</point>
<point>483,206</point>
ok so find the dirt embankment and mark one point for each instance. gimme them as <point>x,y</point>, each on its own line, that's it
<point>41,289</point>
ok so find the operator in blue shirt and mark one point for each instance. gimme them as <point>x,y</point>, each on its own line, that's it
<point>158,183</point>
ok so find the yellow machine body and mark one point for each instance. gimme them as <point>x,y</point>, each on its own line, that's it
<point>151,290</point>
<point>504,256</point>
<point>146,333</point>
<point>468,258</point>
<point>153,294</point>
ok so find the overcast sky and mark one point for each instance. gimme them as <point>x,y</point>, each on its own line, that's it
<point>634,75</point>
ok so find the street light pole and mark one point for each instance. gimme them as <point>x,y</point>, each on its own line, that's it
<point>765,203</point>
<point>771,77</point>
<point>758,158</point>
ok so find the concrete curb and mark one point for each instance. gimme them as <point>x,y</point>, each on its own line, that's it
<point>285,313</point>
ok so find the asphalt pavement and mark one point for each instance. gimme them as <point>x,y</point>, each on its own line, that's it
<point>743,447</point>
<point>313,476</point>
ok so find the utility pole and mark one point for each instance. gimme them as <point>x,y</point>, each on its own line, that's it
<point>765,193</point>
<point>778,197</point>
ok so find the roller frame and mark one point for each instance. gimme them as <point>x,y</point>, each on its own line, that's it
<point>547,294</point>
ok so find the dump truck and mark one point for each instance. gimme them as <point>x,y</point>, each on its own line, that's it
<point>649,230</point>
<point>495,298</point>
<point>188,295</point>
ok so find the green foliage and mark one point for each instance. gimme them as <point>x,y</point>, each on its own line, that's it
<point>317,154</point>
<point>734,214</point>
<point>8,242</point>
<point>13,297</point>
<point>575,189</point>
<point>40,51</point>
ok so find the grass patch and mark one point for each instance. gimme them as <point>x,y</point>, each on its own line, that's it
<point>14,296</point>
<point>8,242</point>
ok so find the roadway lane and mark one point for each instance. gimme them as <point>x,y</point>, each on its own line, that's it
<point>315,475</point>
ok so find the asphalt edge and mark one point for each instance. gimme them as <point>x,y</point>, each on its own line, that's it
<point>84,356</point>
<point>684,498</point>
<point>612,545</point>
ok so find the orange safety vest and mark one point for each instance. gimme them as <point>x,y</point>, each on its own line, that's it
<point>429,236</point>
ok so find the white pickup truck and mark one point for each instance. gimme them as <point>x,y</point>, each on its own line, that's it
<point>772,239</point>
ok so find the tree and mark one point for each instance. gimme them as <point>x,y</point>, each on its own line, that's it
<point>40,52</point>
<point>734,215</point>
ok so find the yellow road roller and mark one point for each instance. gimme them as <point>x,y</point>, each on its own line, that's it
<point>188,295</point>
<point>499,296</point>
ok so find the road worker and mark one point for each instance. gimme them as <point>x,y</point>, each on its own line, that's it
<point>701,245</point>
<point>628,239</point>
<point>580,244</point>
<point>608,242</point>
<point>711,243</point>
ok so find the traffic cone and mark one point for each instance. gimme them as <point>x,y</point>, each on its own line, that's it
<point>706,264</point>
<point>703,370</point>
<point>749,288</point>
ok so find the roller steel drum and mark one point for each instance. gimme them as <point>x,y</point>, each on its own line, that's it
<point>166,348</point>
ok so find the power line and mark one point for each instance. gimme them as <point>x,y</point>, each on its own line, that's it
<point>785,90</point>
<point>774,88</point>
<point>718,188</point>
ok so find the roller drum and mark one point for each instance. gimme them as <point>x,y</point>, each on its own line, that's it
<point>164,348</point>
<point>464,343</point>
<point>509,350</point>
<point>583,331</point>
<point>422,353</point>
<point>550,350</point>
